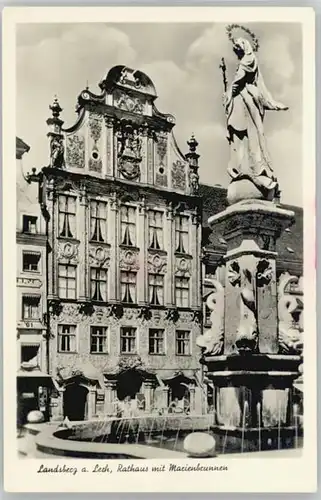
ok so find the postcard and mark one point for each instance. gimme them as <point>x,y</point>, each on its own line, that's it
<point>164,210</point>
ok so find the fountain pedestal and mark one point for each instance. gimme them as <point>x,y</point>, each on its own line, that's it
<point>253,380</point>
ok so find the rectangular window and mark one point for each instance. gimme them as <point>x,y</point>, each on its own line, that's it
<point>67,281</point>
<point>128,287</point>
<point>128,340</point>
<point>67,216</point>
<point>98,221</point>
<point>67,339</point>
<point>98,282</point>
<point>155,229</point>
<point>182,343</point>
<point>128,225</point>
<point>30,261</point>
<point>156,341</point>
<point>182,291</point>
<point>30,307</point>
<point>30,355</point>
<point>29,224</point>
<point>156,289</point>
<point>98,339</point>
<point>181,234</point>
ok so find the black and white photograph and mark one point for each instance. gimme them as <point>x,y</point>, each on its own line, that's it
<point>160,250</point>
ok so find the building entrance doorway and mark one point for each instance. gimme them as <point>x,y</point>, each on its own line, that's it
<point>180,397</point>
<point>129,383</point>
<point>75,402</point>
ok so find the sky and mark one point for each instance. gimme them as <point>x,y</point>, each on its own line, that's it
<point>183,62</point>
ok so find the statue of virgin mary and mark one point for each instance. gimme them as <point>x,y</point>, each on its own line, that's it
<point>245,102</point>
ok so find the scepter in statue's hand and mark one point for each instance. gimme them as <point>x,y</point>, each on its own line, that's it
<point>223,68</point>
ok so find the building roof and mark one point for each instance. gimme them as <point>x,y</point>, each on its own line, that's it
<point>289,246</point>
<point>21,148</point>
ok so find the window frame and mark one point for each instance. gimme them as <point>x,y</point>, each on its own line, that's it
<point>154,227</point>
<point>67,214</point>
<point>179,341</point>
<point>103,336</point>
<point>37,298</point>
<point>155,287</point>
<point>29,252</point>
<point>157,339</point>
<point>66,279</point>
<point>179,232</point>
<point>60,335</point>
<point>97,220</point>
<point>181,279</point>
<point>128,283</point>
<point>26,217</point>
<point>98,281</point>
<point>125,240</point>
<point>135,337</point>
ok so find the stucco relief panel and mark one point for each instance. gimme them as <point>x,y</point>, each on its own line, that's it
<point>99,256</point>
<point>129,259</point>
<point>157,264</point>
<point>68,251</point>
<point>75,151</point>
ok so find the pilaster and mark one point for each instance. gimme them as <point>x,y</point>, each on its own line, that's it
<point>170,240</point>
<point>109,146</point>
<point>142,275</point>
<point>113,235</point>
<point>195,263</point>
<point>82,233</point>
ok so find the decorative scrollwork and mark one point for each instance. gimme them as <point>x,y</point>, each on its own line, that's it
<point>289,308</point>
<point>86,309</point>
<point>247,333</point>
<point>234,274</point>
<point>212,341</point>
<point>95,126</point>
<point>144,313</point>
<point>172,314</point>
<point>55,307</point>
<point>75,151</point>
<point>178,175</point>
<point>264,273</point>
<point>116,310</point>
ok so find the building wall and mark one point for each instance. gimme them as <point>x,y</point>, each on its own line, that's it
<point>121,152</point>
<point>31,295</point>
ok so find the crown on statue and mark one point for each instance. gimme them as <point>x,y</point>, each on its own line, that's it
<point>254,40</point>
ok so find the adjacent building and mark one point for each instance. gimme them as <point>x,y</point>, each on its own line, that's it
<point>32,355</point>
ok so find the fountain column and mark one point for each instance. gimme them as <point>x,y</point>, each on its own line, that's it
<point>250,369</point>
<point>58,411</point>
<point>148,393</point>
<point>110,396</point>
<point>91,399</point>
<point>192,399</point>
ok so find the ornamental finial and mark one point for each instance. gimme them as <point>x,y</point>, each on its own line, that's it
<point>192,143</point>
<point>55,108</point>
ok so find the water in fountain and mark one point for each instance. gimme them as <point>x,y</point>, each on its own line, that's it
<point>296,424</point>
<point>245,410</point>
<point>279,427</point>
<point>258,409</point>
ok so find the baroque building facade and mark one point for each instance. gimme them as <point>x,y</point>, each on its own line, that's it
<point>123,220</point>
